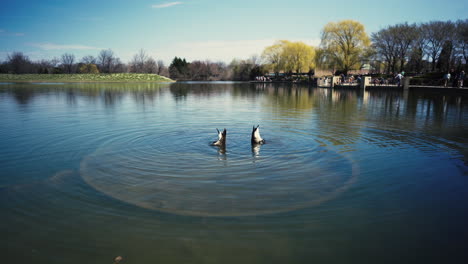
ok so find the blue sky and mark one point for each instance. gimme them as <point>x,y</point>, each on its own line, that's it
<point>194,29</point>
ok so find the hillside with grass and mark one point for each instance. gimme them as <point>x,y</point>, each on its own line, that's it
<point>113,77</point>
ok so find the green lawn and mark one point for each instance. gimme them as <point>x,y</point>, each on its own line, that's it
<point>114,77</point>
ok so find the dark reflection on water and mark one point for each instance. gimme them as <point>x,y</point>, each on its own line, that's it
<point>92,171</point>
<point>110,92</point>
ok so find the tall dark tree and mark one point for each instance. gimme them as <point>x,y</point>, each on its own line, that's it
<point>446,57</point>
<point>461,41</point>
<point>393,45</point>
<point>406,36</point>
<point>386,46</point>
<point>19,63</point>
<point>178,68</point>
<point>416,63</point>
<point>436,34</point>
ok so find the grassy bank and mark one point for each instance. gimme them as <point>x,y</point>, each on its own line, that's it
<point>114,77</point>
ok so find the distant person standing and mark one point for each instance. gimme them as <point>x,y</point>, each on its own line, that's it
<point>398,79</point>
<point>461,77</point>
<point>446,78</point>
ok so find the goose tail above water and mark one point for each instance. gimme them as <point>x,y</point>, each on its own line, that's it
<point>256,138</point>
<point>221,138</point>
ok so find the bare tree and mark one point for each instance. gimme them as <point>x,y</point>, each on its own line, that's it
<point>159,67</point>
<point>55,61</point>
<point>118,66</point>
<point>416,62</point>
<point>217,70</point>
<point>162,69</point>
<point>19,63</point>
<point>386,47</point>
<point>138,62</point>
<point>447,56</point>
<point>204,69</point>
<point>406,36</point>
<point>461,40</point>
<point>150,66</point>
<point>436,34</point>
<point>106,60</point>
<point>68,62</point>
<point>46,66</point>
<point>89,59</point>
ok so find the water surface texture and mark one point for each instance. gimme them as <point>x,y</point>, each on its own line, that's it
<point>89,172</point>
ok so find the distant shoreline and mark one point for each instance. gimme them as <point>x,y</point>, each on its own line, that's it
<point>84,78</point>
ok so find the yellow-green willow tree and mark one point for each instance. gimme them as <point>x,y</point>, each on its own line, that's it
<point>273,56</point>
<point>289,56</point>
<point>299,57</point>
<point>345,43</point>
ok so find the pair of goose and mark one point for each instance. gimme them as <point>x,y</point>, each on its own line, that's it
<point>255,139</point>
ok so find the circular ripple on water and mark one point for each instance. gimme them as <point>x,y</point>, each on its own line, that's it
<point>178,173</point>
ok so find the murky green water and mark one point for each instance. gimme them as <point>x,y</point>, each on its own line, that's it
<point>89,172</point>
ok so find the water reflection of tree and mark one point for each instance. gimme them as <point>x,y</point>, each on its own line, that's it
<point>338,114</point>
<point>385,106</point>
<point>145,97</point>
<point>397,118</point>
<point>417,112</point>
<point>71,97</point>
<point>420,118</point>
<point>332,113</point>
<point>180,91</point>
<point>23,94</point>
<point>111,97</point>
<point>441,116</point>
<point>251,91</point>
<point>109,93</point>
<point>283,98</point>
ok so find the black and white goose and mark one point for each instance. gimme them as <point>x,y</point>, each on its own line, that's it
<point>221,139</point>
<point>256,138</point>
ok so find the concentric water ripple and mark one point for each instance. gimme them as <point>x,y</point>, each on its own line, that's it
<point>184,175</point>
<point>88,169</point>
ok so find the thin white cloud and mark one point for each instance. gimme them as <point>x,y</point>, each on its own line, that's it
<point>169,4</point>
<point>53,46</point>
<point>4,32</point>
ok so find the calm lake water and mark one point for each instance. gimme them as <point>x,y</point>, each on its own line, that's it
<point>89,172</point>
